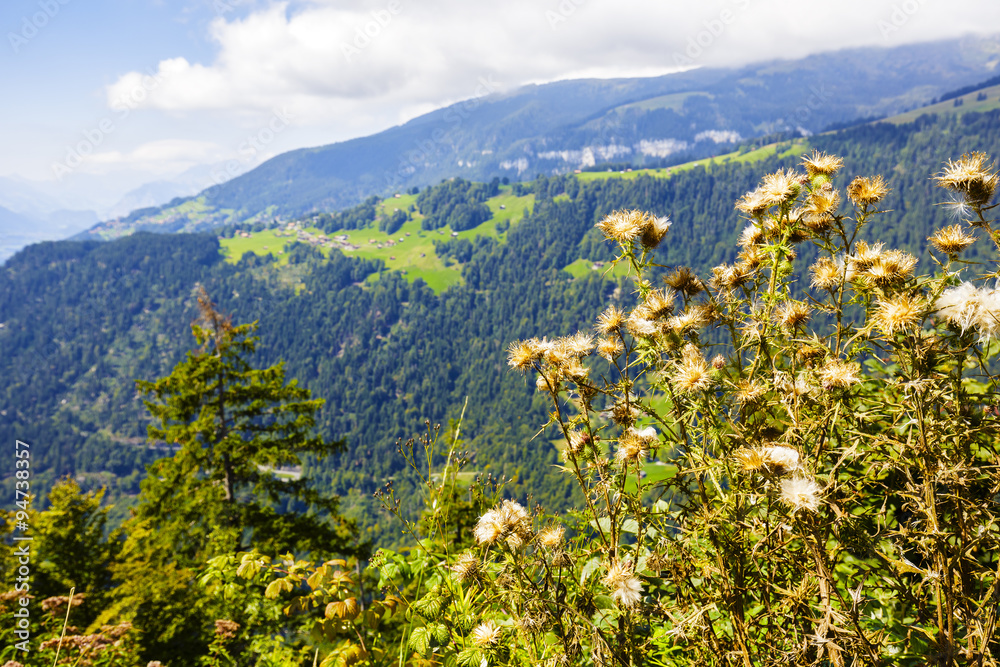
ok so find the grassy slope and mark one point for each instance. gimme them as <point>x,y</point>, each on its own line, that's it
<point>969,103</point>
<point>413,250</point>
<point>784,148</point>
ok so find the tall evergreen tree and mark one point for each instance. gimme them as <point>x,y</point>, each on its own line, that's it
<point>240,433</point>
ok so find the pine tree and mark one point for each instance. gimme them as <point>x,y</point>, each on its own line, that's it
<point>237,431</point>
<point>241,433</point>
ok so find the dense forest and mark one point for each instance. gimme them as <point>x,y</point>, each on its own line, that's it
<point>81,321</point>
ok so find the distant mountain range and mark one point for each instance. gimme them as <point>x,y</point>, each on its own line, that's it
<point>568,125</point>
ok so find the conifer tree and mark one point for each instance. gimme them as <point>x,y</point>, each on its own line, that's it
<point>236,428</point>
<point>237,431</point>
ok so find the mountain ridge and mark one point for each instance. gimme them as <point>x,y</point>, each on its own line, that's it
<point>557,127</point>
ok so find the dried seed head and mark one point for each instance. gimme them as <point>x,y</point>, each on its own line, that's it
<point>800,492</point>
<point>748,391</point>
<point>772,459</point>
<point>684,280</point>
<point>865,255</point>
<point>865,191</point>
<point>626,589</point>
<point>792,314</point>
<point>951,240</point>
<point>898,313</point>
<point>693,371</point>
<point>826,274</point>
<point>782,186</point>
<point>609,348</point>
<point>654,231</point>
<point>486,634</point>
<point>523,354</point>
<point>552,537</point>
<point>610,320</point>
<point>894,266</point>
<point>756,202</point>
<point>466,568</point>
<point>821,163</point>
<point>577,345</point>
<point>633,445</point>
<point>973,176</point>
<point>725,276</point>
<point>226,629</point>
<point>752,235</point>
<point>841,374</point>
<point>658,303</point>
<point>640,325</point>
<point>623,226</point>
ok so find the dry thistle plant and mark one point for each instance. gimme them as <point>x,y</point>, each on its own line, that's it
<point>830,489</point>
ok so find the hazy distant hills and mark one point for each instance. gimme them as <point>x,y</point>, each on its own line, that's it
<point>558,127</point>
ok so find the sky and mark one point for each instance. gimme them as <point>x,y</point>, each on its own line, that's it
<point>104,95</point>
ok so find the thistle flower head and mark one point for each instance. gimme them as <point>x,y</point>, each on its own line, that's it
<point>892,267</point>
<point>867,190</point>
<point>898,313</point>
<point>756,202</point>
<point>973,176</point>
<point>951,240</point>
<point>826,274</point>
<point>693,371</point>
<point>820,206</point>
<point>626,589</point>
<point>840,374</point>
<point>748,391</point>
<point>610,348</point>
<point>659,303</point>
<point>774,459</point>
<point>523,354</point>
<point>633,445</point>
<point>792,314</point>
<point>654,231</point>
<point>801,492</point>
<point>640,325</point>
<point>782,186</point>
<point>467,567</point>
<point>865,255</point>
<point>610,320</point>
<point>821,163</point>
<point>552,537</point>
<point>752,235</point>
<point>727,277</point>
<point>685,281</point>
<point>577,345</point>
<point>625,226</point>
<point>486,634</point>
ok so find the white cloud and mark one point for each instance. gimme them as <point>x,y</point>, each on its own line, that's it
<point>364,65</point>
<point>163,158</point>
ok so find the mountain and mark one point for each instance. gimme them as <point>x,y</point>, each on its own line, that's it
<point>17,230</point>
<point>394,328</point>
<point>567,125</point>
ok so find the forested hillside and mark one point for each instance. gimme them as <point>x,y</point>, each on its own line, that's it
<point>82,321</point>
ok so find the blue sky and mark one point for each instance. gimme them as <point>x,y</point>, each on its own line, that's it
<point>76,72</point>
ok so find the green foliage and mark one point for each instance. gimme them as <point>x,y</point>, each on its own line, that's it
<point>457,203</point>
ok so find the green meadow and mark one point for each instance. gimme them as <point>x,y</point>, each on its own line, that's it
<point>410,250</point>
